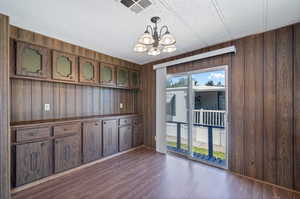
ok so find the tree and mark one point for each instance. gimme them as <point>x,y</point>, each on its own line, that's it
<point>210,83</point>
<point>220,84</point>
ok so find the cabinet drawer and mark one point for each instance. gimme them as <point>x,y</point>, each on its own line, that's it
<point>32,134</point>
<point>67,129</point>
<point>125,121</point>
<point>137,121</point>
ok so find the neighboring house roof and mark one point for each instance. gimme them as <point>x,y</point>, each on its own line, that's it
<point>199,88</point>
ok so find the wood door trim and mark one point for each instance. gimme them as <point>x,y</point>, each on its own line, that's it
<point>4,107</point>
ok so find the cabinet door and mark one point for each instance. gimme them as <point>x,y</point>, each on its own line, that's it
<point>33,161</point>
<point>107,74</point>
<point>92,141</point>
<point>32,61</point>
<point>88,71</point>
<point>135,79</point>
<point>138,135</point>
<point>123,77</point>
<point>64,66</point>
<point>67,152</point>
<point>110,137</point>
<point>125,138</point>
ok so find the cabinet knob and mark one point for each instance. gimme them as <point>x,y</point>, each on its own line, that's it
<point>104,122</point>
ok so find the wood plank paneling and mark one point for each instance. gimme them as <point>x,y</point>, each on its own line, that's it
<point>270,165</point>
<point>78,94</point>
<point>21,100</point>
<point>4,109</point>
<point>253,106</point>
<point>237,109</point>
<point>66,100</point>
<point>265,115</point>
<point>284,96</point>
<point>297,106</point>
<point>36,100</point>
<point>71,100</point>
<point>56,101</point>
<point>62,101</point>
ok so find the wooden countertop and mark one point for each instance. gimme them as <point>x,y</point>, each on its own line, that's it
<point>72,119</point>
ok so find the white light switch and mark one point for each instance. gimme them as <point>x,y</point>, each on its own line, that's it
<point>121,105</point>
<point>47,107</point>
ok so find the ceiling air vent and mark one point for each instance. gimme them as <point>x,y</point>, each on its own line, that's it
<point>136,6</point>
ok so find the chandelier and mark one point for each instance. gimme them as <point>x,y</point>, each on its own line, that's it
<point>153,42</point>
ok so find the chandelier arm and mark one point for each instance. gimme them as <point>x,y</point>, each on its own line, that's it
<point>149,28</point>
<point>161,30</point>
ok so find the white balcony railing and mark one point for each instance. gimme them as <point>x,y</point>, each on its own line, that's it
<point>209,117</point>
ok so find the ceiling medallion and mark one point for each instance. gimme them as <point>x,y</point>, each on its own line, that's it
<point>153,42</point>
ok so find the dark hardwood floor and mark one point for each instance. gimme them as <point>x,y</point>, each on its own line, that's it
<point>146,174</point>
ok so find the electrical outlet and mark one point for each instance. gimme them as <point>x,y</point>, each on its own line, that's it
<point>47,107</point>
<point>121,105</point>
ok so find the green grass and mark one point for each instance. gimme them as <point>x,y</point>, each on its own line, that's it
<point>199,150</point>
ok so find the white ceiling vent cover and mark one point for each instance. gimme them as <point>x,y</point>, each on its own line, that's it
<point>136,6</point>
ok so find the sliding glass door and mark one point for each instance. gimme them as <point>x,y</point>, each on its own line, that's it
<point>196,106</point>
<point>177,113</point>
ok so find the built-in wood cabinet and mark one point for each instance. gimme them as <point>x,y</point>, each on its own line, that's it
<point>88,71</point>
<point>64,66</point>
<point>67,152</point>
<point>32,61</point>
<point>137,135</point>
<point>110,137</point>
<point>125,137</point>
<point>137,132</point>
<point>33,161</point>
<point>122,77</point>
<point>92,140</point>
<point>134,79</point>
<point>29,61</point>
<point>40,150</point>
<point>107,74</point>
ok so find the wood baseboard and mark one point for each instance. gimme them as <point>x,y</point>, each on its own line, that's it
<point>54,176</point>
<point>265,182</point>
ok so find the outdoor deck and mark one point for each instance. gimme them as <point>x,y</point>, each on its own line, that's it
<point>208,136</point>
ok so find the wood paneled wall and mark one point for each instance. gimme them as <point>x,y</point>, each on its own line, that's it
<point>264,94</point>
<point>4,109</point>
<point>66,100</point>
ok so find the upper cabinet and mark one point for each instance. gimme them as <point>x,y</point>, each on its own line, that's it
<point>88,71</point>
<point>29,61</point>
<point>134,79</point>
<point>123,77</point>
<point>32,61</point>
<point>64,66</point>
<point>107,74</point>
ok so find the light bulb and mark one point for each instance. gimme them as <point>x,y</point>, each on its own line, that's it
<point>140,48</point>
<point>146,39</point>
<point>169,49</point>
<point>167,39</point>
<point>154,51</point>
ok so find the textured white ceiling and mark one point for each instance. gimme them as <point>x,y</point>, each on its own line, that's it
<point>109,27</point>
